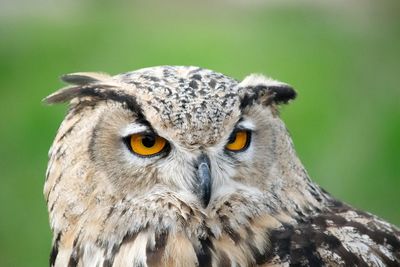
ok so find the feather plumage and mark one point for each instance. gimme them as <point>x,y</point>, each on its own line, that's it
<point>110,207</point>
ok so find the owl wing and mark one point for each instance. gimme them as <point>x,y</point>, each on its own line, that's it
<point>341,236</point>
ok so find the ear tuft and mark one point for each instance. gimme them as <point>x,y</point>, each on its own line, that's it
<point>62,95</point>
<point>283,93</point>
<point>83,84</point>
<point>258,86</point>
<point>83,78</point>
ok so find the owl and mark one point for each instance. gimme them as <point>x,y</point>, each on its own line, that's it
<point>184,166</point>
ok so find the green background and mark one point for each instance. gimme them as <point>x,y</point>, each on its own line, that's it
<point>342,57</point>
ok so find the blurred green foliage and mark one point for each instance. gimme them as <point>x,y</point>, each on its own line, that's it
<point>342,58</point>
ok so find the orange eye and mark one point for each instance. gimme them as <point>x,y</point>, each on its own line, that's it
<point>239,141</point>
<point>146,144</point>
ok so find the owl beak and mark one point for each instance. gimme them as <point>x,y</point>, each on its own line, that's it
<point>203,175</point>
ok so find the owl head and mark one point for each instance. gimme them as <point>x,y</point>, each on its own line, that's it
<point>166,152</point>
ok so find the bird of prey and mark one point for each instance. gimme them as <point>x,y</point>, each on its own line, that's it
<point>184,166</point>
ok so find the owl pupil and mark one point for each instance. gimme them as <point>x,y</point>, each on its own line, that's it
<point>232,139</point>
<point>148,141</point>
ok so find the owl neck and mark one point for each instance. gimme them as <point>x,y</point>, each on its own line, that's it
<point>289,188</point>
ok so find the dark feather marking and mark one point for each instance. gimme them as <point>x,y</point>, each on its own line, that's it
<point>196,77</point>
<point>212,83</point>
<point>303,249</point>
<point>228,229</point>
<point>128,100</point>
<point>58,151</point>
<point>378,236</point>
<point>69,130</point>
<point>98,92</point>
<point>124,211</point>
<point>92,142</point>
<point>333,243</point>
<point>109,213</point>
<point>154,255</point>
<point>349,258</point>
<point>254,96</point>
<point>259,257</point>
<point>74,258</point>
<point>298,246</point>
<point>60,155</point>
<point>227,203</point>
<point>49,168</point>
<point>105,246</point>
<point>247,100</point>
<point>54,250</point>
<point>386,260</point>
<point>76,253</point>
<point>52,190</point>
<point>81,105</point>
<point>282,93</point>
<point>54,203</point>
<point>193,84</point>
<point>314,192</point>
<point>277,94</point>
<point>204,253</point>
<point>108,262</point>
<point>280,241</point>
<point>128,238</point>
<point>78,79</point>
<point>224,260</point>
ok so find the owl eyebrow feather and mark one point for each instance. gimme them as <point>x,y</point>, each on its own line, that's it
<point>98,93</point>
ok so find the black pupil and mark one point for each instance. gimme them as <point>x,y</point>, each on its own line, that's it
<point>148,140</point>
<point>232,138</point>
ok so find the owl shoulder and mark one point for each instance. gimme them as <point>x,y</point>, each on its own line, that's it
<point>337,236</point>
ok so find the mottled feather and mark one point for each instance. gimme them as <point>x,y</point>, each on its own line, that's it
<point>110,207</point>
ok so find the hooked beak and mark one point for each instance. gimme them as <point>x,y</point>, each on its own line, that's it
<point>203,175</point>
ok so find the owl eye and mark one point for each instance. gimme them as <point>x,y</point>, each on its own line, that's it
<point>238,141</point>
<point>146,145</point>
